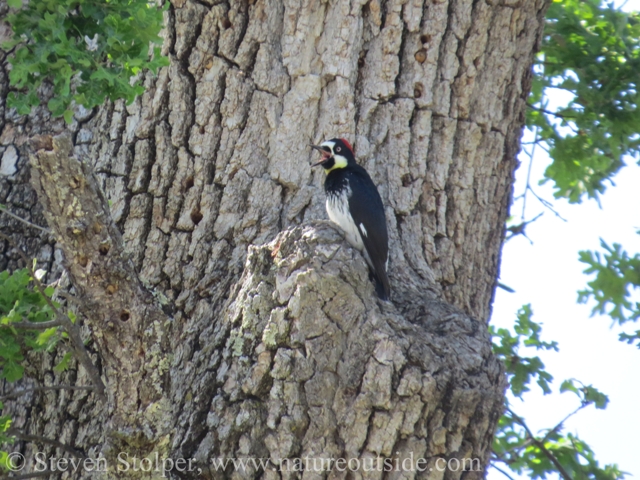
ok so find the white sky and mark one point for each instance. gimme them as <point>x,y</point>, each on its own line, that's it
<point>548,275</point>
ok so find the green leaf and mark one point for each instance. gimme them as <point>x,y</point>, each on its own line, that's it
<point>47,338</point>
<point>568,386</point>
<point>68,116</point>
<point>522,369</point>
<point>616,281</point>
<point>12,371</point>
<point>9,44</point>
<point>14,3</point>
<point>592,395</point>
<point>5,423</point>
<point>5,464</point>
<point>64,363</point>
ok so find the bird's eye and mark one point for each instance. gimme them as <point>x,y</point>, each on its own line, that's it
<point>338,149</point>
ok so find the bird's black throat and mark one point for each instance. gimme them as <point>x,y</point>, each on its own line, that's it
<point>329,163</point>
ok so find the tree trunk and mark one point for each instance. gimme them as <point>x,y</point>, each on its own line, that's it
<point>226,317</point>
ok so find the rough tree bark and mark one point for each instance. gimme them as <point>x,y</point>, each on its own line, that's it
<point>226,319</point>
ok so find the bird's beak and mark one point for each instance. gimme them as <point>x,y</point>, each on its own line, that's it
<point>325,155</point>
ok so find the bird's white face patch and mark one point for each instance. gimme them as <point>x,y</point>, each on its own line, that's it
<point>338,210</point>
<point>339,160</point>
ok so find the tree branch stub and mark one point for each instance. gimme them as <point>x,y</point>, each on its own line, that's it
<point>129,327</point>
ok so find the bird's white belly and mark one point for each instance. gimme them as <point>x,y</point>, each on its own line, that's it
<point>338,210</point>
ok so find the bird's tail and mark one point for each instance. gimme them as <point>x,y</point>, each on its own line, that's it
<point>382,285</point>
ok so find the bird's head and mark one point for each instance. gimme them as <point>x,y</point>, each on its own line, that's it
<point>336,153</point>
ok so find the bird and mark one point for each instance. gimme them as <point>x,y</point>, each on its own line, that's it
<point>354,204</point>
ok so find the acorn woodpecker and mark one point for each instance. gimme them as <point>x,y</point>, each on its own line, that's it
<point>354,204</point>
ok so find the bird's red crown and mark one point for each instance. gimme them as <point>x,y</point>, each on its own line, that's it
<point>346,142</point>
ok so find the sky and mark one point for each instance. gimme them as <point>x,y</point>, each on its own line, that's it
<point>548,275</point>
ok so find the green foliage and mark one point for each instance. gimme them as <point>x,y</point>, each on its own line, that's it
<point>586,393</point>
<point>64,363</point>
<point>4,461</point>
<point>522,369</point>
<point>19,302</point>
<point>87,50</point>
<point>526,457</point>
<point>617,278</point>
<point>5,424</point>
<point>515,446</point>
<point>5,438</point>
<point>592,52</point>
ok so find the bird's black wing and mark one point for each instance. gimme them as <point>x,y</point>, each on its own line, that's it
<point>367,211</point>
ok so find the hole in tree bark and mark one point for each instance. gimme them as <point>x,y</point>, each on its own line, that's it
<point>75,182</point>
<point>421,56</point>
<point>425,38</point>
<point>196,216</point>
<point>417,90</point>
<point>188,183</point>
<point>226,23</point>
<point>406,180</point>
<point>125,315</point>
<point>104,249</point>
